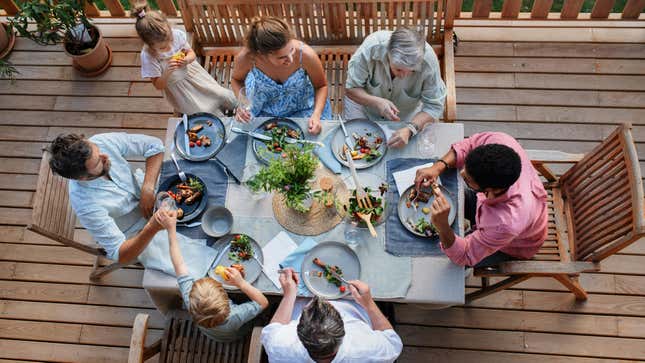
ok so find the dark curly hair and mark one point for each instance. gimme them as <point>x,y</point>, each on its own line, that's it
<point>493,166</point>
<point>69,152</point>
<point>320,329</point>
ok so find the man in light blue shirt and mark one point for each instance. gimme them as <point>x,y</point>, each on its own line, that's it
<point>113,202</point>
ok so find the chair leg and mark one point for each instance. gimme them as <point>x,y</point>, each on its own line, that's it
<point>488,290</point>
<point>99,272</point>
<point>572,283</point>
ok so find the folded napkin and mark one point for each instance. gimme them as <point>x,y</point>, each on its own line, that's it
<point>277,250</point>
<point>294,260</point>
<point>405,178</point>
<point>233,156</point>
<point>326,156</point>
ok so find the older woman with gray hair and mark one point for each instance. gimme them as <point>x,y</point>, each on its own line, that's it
<point>315,330</point>
<point>395,76</point>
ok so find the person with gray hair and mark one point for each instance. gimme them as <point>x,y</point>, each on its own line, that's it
<point>316,330</point>
<point>395,75</point>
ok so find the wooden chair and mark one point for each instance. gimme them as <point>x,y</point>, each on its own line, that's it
<point>182,341</point>
<point>334,28</point>
<point>595,210</point>
<point>54,218</point>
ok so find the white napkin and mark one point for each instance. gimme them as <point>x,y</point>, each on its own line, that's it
<point>405,178</point>
<point>275,252</point>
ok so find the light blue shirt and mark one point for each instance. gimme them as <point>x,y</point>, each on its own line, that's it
<point>109,209</point>
<point>238,323</point>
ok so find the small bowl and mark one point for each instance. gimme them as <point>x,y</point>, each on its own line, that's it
<point>217,221</point>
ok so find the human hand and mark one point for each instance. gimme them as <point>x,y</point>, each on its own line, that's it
<point>440,210</point>
<point>289,281</point>
<point>427,176</point>
<point>147,201</point>
<point>314,125</point>
<point>242,115</point>
<point>166,219</point>
<point>234,277</point>
<point>361,293</point>
<point>387,109</point>
<point>400,137</point>
<point>173,65</point>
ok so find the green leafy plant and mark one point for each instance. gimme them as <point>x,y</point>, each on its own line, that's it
<point>55,21</point>
<point>289,175</point>
<point>7,70</point>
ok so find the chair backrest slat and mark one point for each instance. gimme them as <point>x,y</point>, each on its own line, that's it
<point>604,198</point>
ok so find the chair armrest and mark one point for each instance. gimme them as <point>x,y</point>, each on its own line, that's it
<point>537,268</point>
<point>255,346</point>
<point>138,339</point>
<point>553,156</point>
<point>450,114</point>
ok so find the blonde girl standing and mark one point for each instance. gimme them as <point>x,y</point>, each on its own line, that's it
<point>169,62</point>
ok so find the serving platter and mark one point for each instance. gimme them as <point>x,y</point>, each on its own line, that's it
<point>213,127</point>
<point>331,253</point>
<point>260,147</point>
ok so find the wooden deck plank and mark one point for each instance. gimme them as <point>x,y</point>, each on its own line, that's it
<point>583,35</point>
<point>420,354</point>
<point>549,65</point>
<point>84,118</point>
<point>550,81</point>
<point>44,272</point>
<point>554,114</point>
<point>58,352</point>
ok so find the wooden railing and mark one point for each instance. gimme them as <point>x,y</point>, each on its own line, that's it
<point>477,9</point>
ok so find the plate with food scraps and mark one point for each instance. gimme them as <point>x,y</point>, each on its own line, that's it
<point>191,197</point>
<point>414,210</point>
<point>377,190</point>
<point>277,129</point>
<point>238,252</point>
<point>369,143</point>
<point>323,257</point>
<point>206,135</point>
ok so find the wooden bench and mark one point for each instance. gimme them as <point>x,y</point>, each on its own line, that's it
<point>334,28</point>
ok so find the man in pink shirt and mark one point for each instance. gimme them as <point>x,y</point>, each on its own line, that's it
<point>505,201</point>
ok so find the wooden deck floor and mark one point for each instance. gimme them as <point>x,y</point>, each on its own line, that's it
<point>553,88</point>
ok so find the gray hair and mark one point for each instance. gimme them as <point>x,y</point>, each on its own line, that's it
<point>406,48</point>
<point>320,329</point>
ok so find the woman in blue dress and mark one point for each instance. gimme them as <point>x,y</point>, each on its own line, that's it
<point>283,77</point>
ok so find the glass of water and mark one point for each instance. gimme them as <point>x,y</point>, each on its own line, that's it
<point>352,234</point>
<point>165,202</point>
<point>426,142</point>
<point>244,101</point>
<point>249,172</point>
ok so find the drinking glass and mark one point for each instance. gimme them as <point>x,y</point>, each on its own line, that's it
<point>352,234</point>
<point>426,142</point>
<point>165,202</point>
<point>244,101</point>
<point>249,172</point>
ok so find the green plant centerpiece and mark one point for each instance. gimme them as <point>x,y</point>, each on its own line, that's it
<point>290,176</point>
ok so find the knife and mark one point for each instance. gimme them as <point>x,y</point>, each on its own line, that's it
<point>348,140</point>
<point>254,135</point>
<point>186,140</point>
<point>265,272</point>
<point>291,140</point>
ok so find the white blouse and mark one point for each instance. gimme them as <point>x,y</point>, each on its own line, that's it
<point>151,64</point>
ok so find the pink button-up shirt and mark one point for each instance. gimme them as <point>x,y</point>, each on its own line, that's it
<point>515,222</point>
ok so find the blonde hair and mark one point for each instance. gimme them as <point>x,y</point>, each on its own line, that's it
<point>152,25</point>
<point>268,34</point>
<point>209,303</point>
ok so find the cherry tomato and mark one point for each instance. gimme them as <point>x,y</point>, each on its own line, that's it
<point>365,150</point>
<point>275,144</point>
<point>237,238</point>
<point>191,144</point>
<point>278,149</point>
<point>342,288</point>
<point>199,142</point>
<point>284,155</point>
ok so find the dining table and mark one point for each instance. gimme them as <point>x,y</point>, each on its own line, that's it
<point>432,280</point>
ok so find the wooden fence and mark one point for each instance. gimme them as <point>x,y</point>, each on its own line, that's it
<point>477,9</point>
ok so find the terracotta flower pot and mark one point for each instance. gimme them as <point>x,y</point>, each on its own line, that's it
<point>95,62</point>
<point>7,40</point>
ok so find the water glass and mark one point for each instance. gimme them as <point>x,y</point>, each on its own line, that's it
<point>249,172</point>
<point>165,202</point>
<point>352,234</point>
<point>244,100</point>
<point>426,142</point>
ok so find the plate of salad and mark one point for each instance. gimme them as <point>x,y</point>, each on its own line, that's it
<point>238,252</point>
<point>414,210</point>
<point>378,192</point>
<point>369,143</point>
<point>279,130</point>
<point>318,263</point>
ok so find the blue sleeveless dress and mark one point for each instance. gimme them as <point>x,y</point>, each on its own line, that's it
<point>293,98</point>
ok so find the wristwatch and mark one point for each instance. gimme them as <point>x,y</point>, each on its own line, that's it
<point>412,128</point>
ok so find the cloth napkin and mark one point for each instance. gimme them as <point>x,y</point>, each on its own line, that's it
<point>294,260</point>
<point>233,156</point>
<point>326,156</point>
<point>215,178</point>
<point>398,240</point>
<point>276,251</point>
<point>405,178</point>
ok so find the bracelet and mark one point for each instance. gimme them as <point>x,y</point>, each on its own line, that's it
<point>444,163</point>
<point>412,128</point>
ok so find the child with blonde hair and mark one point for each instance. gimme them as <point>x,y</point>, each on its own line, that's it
<point>206,300</point>
<point>169,62</point>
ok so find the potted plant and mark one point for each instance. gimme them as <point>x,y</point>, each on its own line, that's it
<point>7,39</point>
<point>290,176</point>
<point>65,20</point>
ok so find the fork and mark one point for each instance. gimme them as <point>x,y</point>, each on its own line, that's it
<point>362,199</point>
<point>181,174</point>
